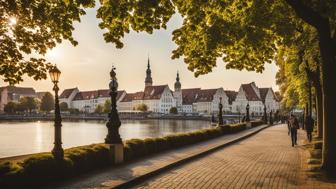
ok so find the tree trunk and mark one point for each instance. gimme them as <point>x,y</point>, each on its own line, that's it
<point>327,49</point>
<point>329,101</point>
<point>319,110</point>
<point>310,100</point>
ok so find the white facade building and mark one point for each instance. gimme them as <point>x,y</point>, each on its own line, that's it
<point>87,101</point>
<point>160,99</point>
<point>270,99</point>
<point>257,98</point>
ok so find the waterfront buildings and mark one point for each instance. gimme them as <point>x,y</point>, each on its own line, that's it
<point>257,98</point>
<point>87,101</point>
<point>161,99</point>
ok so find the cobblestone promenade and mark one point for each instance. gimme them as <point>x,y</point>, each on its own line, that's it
<point>265,160</point>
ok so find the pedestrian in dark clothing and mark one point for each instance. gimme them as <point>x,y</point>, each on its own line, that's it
<point>309,122</point>
<point>288,125</point>
<point>294,126</point>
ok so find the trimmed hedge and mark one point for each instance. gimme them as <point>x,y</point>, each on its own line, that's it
<point>43,168</point>
<point>257,123</point>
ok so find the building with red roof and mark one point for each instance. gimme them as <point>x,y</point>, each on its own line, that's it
<point>257,98</point>
<point>87,101</point>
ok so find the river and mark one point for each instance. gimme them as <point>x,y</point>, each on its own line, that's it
<point>19,138</point>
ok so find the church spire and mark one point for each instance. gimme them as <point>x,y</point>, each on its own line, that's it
<point>177,85</point>
<point>148,80</point>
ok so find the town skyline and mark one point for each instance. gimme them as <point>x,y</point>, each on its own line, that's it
<point>87,65</point>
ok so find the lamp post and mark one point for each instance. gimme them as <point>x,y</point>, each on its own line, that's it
<point>220,114</point>
<point>271,117</point>
<point>57,151</point>
<point>113,124</point>
<point>265,114</point>
<point>247,112</point>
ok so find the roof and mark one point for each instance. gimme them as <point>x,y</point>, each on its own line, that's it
<point>250,94</point>
<point>206,95</point>
<point>153,92</point>
<point>67,92</point>
<point>102,93</point>
<point>128,97</point>
<point>19,90</point>
<point>189,96</point>
<point>133,96</point>
<point>263,93</point>
<point>231,95</point>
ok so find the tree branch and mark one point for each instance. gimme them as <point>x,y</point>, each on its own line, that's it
<point>306,13</point>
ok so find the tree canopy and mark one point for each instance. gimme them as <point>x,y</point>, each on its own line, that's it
<point>47,102</point>
<point>142,107</point>
<point>29,28</point>
<point>27,103</point>
<point>64,106</point>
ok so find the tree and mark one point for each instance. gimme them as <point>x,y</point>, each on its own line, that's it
<point>10,107</point>
<point>173,110</point>
<point>99,109</point>
<point>107,106</point>
<point>32,27</point>
<point>47,102</point>
<point>64,106</point>
<point>142,107</point>
<point>245,34</point>
<point>28,103</point>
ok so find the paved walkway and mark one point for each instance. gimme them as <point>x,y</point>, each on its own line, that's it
<point>115,176</point>
<point>265,160</point>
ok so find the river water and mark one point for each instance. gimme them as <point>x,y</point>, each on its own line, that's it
<point>18,138</point>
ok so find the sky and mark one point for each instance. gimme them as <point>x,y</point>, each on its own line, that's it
<point>88,64</point>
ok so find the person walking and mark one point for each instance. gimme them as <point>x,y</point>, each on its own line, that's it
<point>294,126</point>
<point>288,124</point>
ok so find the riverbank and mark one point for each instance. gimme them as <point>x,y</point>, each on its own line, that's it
<point>104,117</point>
<point>89,117</point>
<point>44,168</point>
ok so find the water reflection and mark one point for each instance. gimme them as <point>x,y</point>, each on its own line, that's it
<point>17,138</point>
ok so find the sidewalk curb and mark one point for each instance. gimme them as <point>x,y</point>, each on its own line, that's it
<point>142,178</point>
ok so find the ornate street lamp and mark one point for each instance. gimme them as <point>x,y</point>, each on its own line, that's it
<point>57,151</point>
<point>113,124</point>
<point>271,117</point>
<point>247,113</point>
<point>220,113</point>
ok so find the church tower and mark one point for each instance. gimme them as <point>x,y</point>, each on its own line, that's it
<point>178,93</point>
<point>177,84</point>
<point>148,80</point>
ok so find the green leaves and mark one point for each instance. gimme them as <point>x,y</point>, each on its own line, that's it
<point>120,16</point>
<point>40,25</point>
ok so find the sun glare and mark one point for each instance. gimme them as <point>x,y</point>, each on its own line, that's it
<point>53,53</point>
<point>12,21</point>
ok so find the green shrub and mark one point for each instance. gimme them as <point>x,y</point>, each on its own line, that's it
<point>316,154</point>
<point>237,127</point>
<point>8,166</point>
<point>314,161</point>
<point>43,168</point>
<point>256,123</point>
<point>318,145</point>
